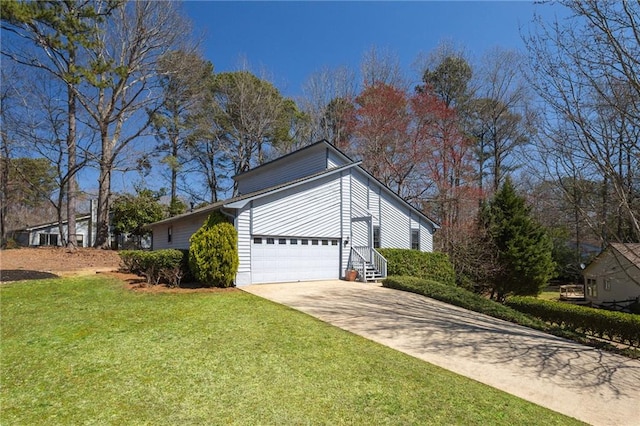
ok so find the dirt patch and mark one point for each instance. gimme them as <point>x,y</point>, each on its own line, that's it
<point>48,262</point>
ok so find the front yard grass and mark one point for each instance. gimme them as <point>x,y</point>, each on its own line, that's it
<point>85,350</point>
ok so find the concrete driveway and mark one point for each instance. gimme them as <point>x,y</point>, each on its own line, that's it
<point>597,387</point>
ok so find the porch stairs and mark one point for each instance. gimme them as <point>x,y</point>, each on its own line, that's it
<point>371,274</point>
<point>370,264</point>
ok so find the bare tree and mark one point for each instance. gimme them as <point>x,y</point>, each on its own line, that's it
<point>500,114</point>
<point>250,117</point>
<point>123,85</point>
<point>50,36</point>
<point>326,96</point>
<point>587,70</point>
<point>381,66</point>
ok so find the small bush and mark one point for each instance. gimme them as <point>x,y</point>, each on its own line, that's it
<point>169,266</point>
<point>213,254</point>
<point>616,326</point>
<point>414,263</point>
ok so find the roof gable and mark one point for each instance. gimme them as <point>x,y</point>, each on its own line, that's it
<point>629,251</point>
<point>283,160</point>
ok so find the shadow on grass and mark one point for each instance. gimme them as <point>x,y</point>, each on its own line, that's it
<point>10,275</point>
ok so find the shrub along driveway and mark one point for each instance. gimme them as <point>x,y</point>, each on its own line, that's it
<point>591,385</point>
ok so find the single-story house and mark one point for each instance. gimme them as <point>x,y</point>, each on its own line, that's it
<point>309,215</point>
<point>48,234</point>
<point>614,275</point>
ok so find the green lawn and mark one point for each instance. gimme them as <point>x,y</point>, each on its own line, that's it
<point>85,350</point>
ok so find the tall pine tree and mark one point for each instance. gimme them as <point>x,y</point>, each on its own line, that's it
<point>524,248</point>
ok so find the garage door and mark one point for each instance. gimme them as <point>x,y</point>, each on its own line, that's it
<point>279,259</point>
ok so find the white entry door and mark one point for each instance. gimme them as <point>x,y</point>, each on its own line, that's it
<point>275,259</point>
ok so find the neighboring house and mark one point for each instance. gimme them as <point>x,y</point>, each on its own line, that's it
<point>614,275</point>
<point>309,215</point>
<point>48,234</point>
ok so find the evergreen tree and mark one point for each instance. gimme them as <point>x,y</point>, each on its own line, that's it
<point>524,250</point>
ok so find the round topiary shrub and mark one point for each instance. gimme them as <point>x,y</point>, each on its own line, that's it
<point>213,253</point>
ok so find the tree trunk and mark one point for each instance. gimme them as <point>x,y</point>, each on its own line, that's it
<point>72,184</point>
<point>104,192</point>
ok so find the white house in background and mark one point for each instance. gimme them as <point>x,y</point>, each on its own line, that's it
<point>614,275</point>
<point>48,234</point>
<point>309,215</point>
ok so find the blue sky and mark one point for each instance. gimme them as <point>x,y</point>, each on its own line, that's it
<point>291,40</point>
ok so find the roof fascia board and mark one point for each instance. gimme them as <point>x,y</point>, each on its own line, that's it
<point>49,225</point>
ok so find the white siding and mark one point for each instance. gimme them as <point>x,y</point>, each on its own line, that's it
<point>243,225</point>
<point>374,203</point>
<point>181,231</point>
<point>287,169</point>
<point>345,195</point>
<point>426,237</point>
<point>395,229</point>
<point>312,209</point>
<point>359,195</point>
<point>360,233</point>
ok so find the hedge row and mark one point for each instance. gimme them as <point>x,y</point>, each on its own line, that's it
<point>169,266</point>
<point>616,326</point>
<point>461,297</point>
<point>428,266</point>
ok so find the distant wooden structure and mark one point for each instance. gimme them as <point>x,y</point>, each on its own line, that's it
<point>572,292</point>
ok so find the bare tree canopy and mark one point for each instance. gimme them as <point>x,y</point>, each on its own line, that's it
<point>587,70</point>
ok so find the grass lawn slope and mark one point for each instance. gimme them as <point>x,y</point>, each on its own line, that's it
<point>85,350</point>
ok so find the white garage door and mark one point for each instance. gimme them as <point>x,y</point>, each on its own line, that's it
<point>275,259</point>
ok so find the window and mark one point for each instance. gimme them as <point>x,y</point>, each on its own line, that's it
<point>314,242</point>
<point>592,287</point>
<point>325,242</point>
<point>169,234</point>
<point>334,242</point>
<point>48,239</point>
<point>282,241</point>
<point>80,240</point>
<point>376,237</point>
<point>294,242</point>
<point>607,285</point>
<point>305,242</point>
<point>270,241</point>
<point>415,239</point>
<point>257,240</point>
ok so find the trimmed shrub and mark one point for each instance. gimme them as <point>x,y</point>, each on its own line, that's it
<point>414,263</point>
<point>460,297</point>
<point>213,256</point>
<point>169,266</point>
<point>616,326</point>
